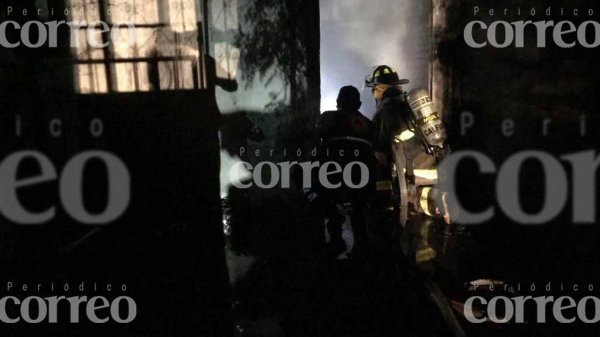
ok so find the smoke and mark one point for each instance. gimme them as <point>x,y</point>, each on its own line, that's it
<point>357,35</point>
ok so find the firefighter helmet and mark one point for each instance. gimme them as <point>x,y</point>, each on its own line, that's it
<point>384,75</point>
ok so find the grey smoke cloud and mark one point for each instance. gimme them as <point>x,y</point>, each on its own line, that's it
<point>357,35</point>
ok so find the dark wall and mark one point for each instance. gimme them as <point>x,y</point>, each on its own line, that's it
<point>167,247</point>
<point>527,85</point>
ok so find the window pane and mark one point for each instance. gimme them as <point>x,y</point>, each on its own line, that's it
<point>90,78</point>
<point>171,43</point>
<point>224,14</point>
<point>83,50</point>
<point>143,77</point>
<point>131,77</point>
<point>227,58</point>
<point>186,74</point>
<point>170,35</point>
<point>84,10</point>
<point>134,11</point>
<point>145,43</point>
<point>176,75</point>
<point>182,15</point>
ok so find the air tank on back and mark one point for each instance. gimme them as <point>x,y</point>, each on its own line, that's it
<point>425,118</point>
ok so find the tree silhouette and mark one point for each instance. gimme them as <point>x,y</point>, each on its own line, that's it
<point>280,39</point>
<point>270,39</point>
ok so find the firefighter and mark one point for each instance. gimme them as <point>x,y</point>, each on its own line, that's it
<point>348,129</point>
<point>402,150</point>
<point>347,120</point>
<point>392,110</point>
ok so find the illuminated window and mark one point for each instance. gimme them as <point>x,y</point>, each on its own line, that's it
<point>165,53</point>
<point>224,16</point>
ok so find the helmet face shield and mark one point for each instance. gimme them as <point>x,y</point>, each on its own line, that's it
<point>368,83</point>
